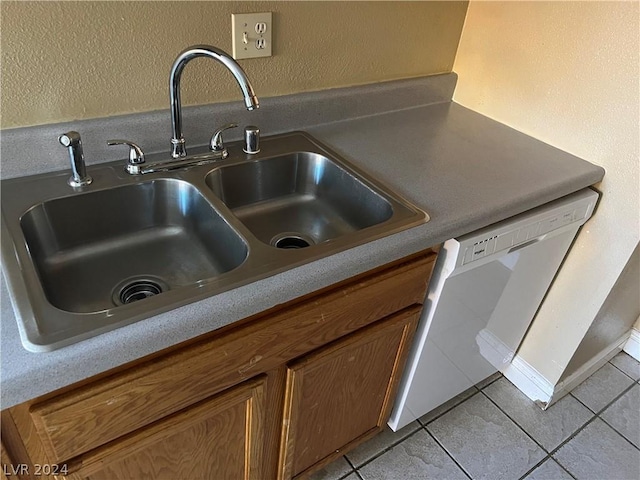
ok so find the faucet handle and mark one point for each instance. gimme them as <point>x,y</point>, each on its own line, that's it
<point>216,144</point>
<point>136,155</point>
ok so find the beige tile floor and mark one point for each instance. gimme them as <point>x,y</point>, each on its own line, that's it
<point>493,431</point>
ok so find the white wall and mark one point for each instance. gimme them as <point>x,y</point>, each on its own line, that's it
<point>566,73</point>
<point>615,318</point>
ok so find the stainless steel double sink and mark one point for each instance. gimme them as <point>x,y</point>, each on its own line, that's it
<point>80,262</point>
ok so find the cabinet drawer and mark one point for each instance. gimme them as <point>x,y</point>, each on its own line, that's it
<point>87,417</point>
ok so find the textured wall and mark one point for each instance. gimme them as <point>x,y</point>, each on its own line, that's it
<point>618,312</point>
<point>566,73</point>
<point>72,60</point>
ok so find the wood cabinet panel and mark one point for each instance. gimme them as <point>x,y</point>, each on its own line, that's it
<point>277,395</point>
<point>83,419</point>
<point>343,392</point>
<point>16,461</point>
<point>219,438</point>
<point>12,467</point>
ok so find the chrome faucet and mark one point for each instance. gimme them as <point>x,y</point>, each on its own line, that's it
<point>178,148</point>
<point>73,142</point>
<point>136,165</point>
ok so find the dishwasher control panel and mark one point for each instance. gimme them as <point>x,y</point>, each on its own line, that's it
<point>533,224</point>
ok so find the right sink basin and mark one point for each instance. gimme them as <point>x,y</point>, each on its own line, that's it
<point>298,199</point>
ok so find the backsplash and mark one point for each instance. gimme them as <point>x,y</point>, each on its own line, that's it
<point>33,150</point>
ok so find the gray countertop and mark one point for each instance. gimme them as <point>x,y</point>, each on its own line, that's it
<point>465,170</point>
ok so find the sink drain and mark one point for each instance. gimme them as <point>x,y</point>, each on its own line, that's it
<point>132,290</point>
<point>291,241</point>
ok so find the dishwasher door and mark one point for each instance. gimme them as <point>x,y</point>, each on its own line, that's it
<point>484,293</point>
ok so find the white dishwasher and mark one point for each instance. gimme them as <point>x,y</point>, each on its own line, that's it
<point>485,290</point>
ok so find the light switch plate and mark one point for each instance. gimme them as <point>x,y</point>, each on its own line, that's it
<point>251,34</point>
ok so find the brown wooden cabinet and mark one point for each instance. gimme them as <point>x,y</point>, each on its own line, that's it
<point>275,396</point>
<point>342,394</point>
<point>221,437</point>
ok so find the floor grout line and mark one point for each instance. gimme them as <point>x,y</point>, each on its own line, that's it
<point>618,368</point>
<point>353,467</point>
<point>516,423</point>
<point>345,475</point>
<point>595,416</point>
<point>421,427</point>
<point>549,454</point>
<point>611,403</point>
<point>615,399</point>
<point>563,468</point>
<point>548,458</point>
<point>572,436</point>
<point>619,433</point>
<point>462,469</point>
<point>481,390</point>
<point>384,450</point>
<point>449,409</point>
<point>530,471</point>
<point>490,383</point>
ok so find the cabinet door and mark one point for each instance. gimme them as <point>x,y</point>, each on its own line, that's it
<point>343,393</point>
<point>220,438</point>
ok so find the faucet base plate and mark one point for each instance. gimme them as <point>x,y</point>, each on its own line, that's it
<point>83,182</point>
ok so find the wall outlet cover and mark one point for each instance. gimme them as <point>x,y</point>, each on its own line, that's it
<point>251,34</point>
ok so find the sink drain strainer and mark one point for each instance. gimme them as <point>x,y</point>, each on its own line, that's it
<point>132,290</point>
<point>291,241</point>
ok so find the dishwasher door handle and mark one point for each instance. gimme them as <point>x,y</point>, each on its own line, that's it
<point>524,245</point>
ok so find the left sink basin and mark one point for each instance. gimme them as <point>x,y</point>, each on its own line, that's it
<point>77,262</point>
<point>113,247</point>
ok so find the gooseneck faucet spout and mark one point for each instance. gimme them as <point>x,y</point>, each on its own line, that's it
<point>178,148</point>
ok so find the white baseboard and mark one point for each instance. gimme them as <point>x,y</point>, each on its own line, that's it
<point>589,368</point>
<point>632,347</point>
<point>535,386</point>
<point>529,381</point>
